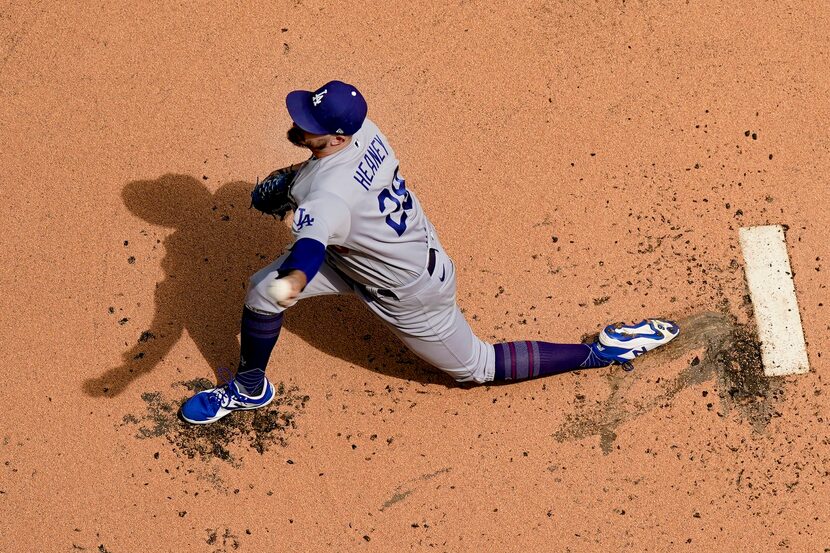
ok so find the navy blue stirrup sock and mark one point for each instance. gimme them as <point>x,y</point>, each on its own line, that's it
<point>259,335</point>
<point>522,360</point>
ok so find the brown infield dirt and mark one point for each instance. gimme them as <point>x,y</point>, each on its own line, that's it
<point>584,163</point>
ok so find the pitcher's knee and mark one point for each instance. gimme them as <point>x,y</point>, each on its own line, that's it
<point>472,373</point>
<point>475,363</point>
<point>257,297</point>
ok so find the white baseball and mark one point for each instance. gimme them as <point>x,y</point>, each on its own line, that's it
<point>280,289</point>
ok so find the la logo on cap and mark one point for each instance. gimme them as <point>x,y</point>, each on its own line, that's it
<point>317,98</point>
<point>334,108</point>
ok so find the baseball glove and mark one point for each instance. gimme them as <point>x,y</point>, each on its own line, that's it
<point>271,196</point>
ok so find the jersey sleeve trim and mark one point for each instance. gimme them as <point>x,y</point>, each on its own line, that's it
<point>307,255</point>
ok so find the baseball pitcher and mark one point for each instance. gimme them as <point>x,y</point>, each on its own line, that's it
<point>360,229</point>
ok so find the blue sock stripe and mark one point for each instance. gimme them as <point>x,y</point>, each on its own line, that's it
<point>536,368</point>
<point>522,361</point>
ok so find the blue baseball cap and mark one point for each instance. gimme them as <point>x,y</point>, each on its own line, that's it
<point>334,108</point>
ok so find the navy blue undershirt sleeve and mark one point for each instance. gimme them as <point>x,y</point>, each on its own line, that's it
<point>307,255</point>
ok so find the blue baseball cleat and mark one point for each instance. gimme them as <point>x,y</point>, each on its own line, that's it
<point>619,343</point>
<point>211,405</point>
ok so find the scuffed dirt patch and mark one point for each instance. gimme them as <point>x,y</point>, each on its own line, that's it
<point>731,356</point>
<point>404,490</point>
<point>256,430</point>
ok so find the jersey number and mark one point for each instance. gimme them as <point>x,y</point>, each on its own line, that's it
<point>404,203</point>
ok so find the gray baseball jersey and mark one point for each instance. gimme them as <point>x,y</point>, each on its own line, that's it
<point>356,202</point>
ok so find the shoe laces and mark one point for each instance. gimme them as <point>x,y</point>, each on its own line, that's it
<point>596,358</point>
<point>222,395</point>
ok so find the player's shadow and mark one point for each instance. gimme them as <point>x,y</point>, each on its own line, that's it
<point>217,244</point>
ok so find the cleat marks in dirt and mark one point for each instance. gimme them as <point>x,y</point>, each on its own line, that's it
<point>731,357</point>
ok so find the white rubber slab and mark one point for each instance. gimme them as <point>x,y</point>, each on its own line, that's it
<point>770,280</point>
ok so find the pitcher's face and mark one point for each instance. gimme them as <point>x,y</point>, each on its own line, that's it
<point>303,139</point>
